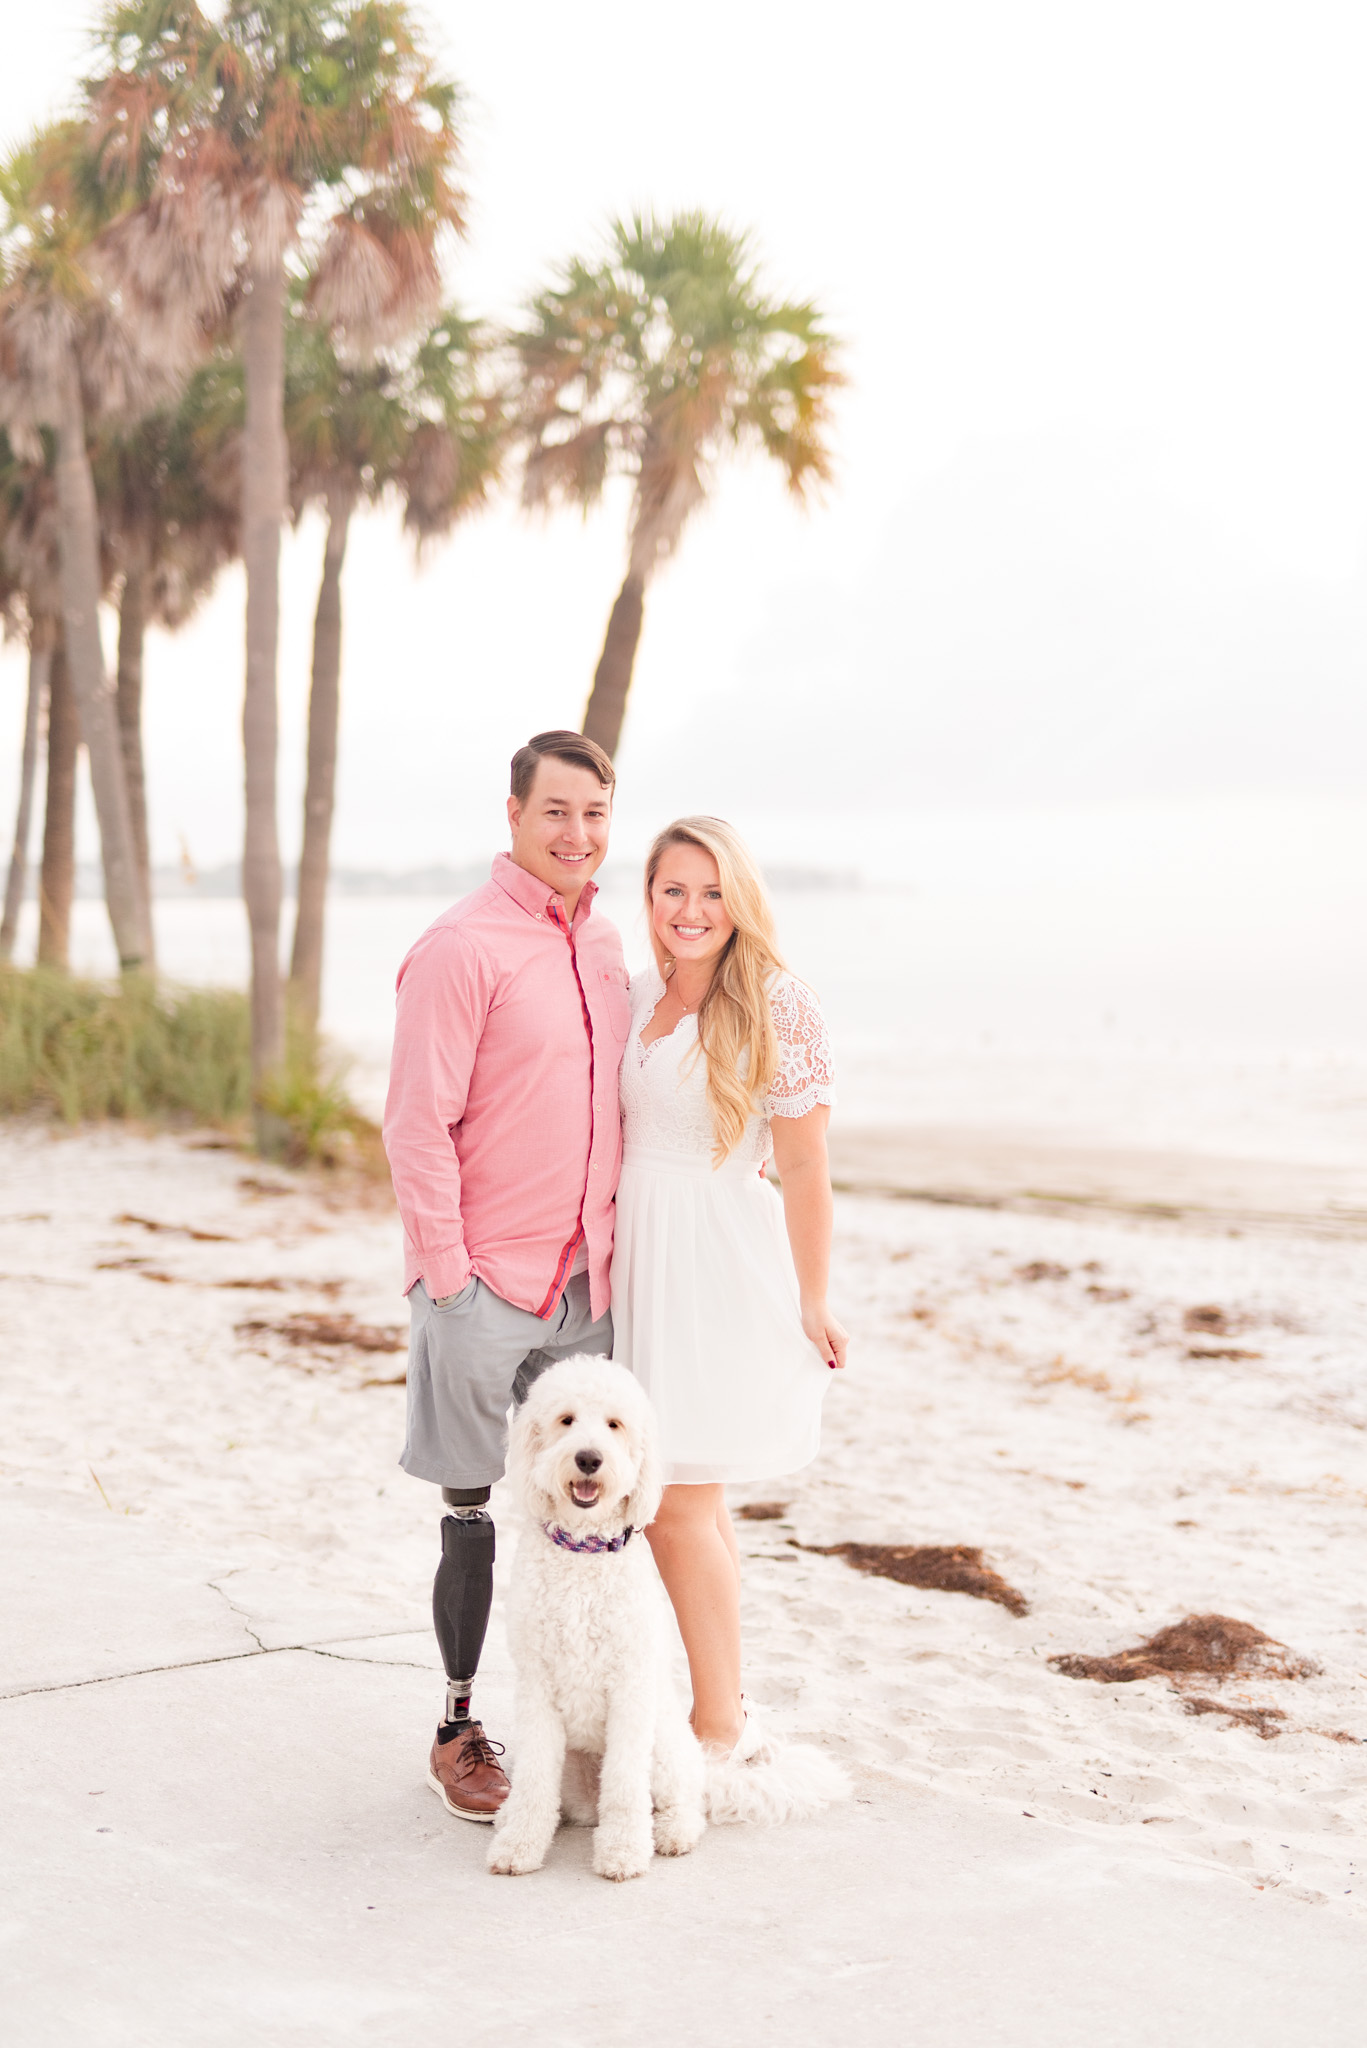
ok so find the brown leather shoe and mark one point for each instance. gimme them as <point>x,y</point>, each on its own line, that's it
<point>466,1775</point>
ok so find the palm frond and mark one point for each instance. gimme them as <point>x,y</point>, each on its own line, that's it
<point>654,358</point>
<point>426,420</point>
<point>321,121</point>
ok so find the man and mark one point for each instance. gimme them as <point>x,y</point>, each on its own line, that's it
<point>504,1143</point>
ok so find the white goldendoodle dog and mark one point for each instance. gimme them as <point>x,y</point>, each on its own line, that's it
<point>585,1625</point>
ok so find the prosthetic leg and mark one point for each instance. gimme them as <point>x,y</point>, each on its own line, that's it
<point>462,1595</point>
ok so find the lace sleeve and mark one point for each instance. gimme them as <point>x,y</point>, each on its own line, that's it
<point>804,1076</point>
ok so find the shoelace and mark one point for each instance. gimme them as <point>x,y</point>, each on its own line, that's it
<point>477,1749</point>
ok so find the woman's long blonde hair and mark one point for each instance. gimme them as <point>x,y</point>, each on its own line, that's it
<point>735,1022</point>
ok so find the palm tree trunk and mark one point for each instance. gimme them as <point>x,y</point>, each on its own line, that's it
<point>306,967</point>
<point>39,664</point>
<point>78,547</point>
<point>612,678</point>
<point>132,631</point>
<point>264,484</point>
<point>57,882</point>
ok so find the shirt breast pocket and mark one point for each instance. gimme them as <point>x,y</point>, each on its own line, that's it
<point>617,1002</point>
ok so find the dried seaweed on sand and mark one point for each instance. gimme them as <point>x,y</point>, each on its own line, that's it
<point>1200,1645</point>
<point>175,1229</point>
<point>762,1510</point>
<point>1206,1317</point>
<point>329,1331</point>
<point>935,1567</point>
<point>1264,1721</point>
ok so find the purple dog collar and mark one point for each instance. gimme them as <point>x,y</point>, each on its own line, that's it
<point>595,1545</point>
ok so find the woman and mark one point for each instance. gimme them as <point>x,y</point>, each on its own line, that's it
<point>723,1319</point>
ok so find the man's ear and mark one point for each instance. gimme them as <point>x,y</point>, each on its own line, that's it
<point>514,813</point>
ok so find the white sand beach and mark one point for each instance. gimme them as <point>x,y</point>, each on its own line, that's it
<point>1034,1386</point>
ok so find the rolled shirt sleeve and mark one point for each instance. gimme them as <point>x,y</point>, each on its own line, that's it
<point>446,976</point>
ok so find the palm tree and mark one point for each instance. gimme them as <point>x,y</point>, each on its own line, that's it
<point>651,361</point>
<point>29,602</point>
<point>344,426</point>
<point>35,718</point>
<point>57,876</point>
<point>167,495</point>
<point>30,551</point>
<point>425,422</point>
<point>314,120</point>
<point>67,356</point>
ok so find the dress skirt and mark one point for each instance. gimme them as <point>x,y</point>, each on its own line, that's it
<point>705,1314</point>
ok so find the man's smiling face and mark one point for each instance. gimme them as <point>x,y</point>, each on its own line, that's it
<point>560,833</point>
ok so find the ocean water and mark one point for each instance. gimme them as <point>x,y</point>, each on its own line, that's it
<point>1192,978</point>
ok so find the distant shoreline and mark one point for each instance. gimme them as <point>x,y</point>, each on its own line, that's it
<point>985,1169</point>
<point>180,884</point>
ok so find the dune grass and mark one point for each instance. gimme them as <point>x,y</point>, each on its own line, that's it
<point>148,1052</point>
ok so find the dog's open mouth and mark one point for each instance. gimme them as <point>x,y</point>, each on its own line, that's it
<point>584,1492</point>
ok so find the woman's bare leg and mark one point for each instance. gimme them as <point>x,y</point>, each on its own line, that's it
<point>701,1572</point>
<point>728,1531</point>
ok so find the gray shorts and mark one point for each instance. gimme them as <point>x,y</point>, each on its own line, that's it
<point>468,1363</point>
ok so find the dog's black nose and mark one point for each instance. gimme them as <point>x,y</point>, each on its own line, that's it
<point>587,1461</point>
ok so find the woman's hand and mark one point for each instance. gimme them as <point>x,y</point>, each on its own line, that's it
<point>829,1336</point>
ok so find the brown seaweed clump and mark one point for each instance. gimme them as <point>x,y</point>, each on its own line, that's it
<point>1207,1320</point>
<point>329,1331</point>
<point>935,1567</point>
<point>1264,1721</point>
<point>763,1510</point>
<point>176,1229</point>
<point>1201,1645</point>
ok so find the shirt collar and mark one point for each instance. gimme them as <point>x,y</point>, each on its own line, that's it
<point>532,895</point>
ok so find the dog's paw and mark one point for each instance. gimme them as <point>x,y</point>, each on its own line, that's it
<point>620,1857</point>
<point>512,1854</point>
<point>678,1832</point>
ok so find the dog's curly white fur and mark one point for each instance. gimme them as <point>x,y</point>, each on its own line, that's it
<point>595,1699</point>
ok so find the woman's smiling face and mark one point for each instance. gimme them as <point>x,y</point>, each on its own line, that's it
<point>686,905</point>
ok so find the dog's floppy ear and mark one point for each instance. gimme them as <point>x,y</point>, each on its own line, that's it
<point>644,1500</point>
<point>525,1440</point>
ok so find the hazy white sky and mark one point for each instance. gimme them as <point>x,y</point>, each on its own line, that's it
<point>1099,524</point>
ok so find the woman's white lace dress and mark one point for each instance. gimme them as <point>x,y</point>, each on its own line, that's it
<point>704,1295</point>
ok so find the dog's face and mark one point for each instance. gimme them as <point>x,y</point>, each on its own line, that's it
<point>582,1450</point>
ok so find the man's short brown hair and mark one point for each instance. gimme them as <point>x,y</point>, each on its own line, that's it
<point>562,746</point>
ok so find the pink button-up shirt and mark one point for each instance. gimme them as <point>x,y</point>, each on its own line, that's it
<point>501,1125</point>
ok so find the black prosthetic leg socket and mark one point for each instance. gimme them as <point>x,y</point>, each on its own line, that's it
<point>463,1592</point>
